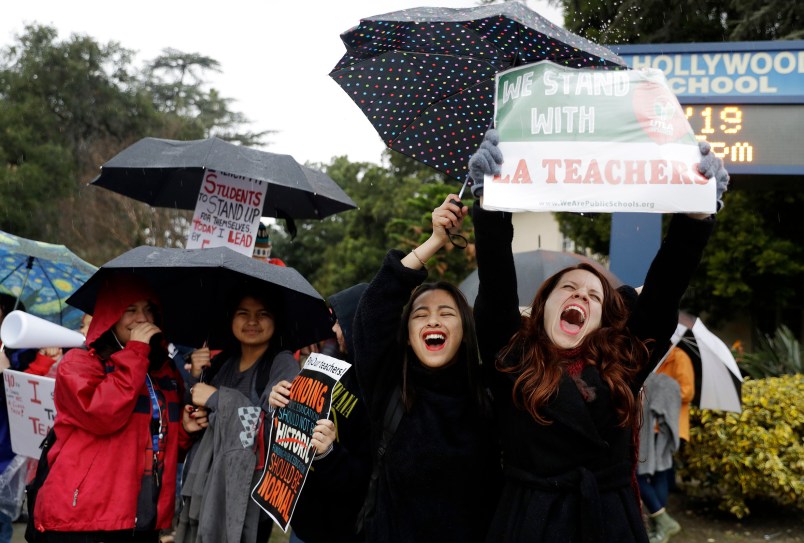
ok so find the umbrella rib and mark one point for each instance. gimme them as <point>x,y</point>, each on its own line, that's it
<point>206,156</point>
<point>12,272</point>
<point>693,345</point>
<point>53,286</point>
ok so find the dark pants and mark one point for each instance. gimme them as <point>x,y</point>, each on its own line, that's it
<point>122,536</point>
<point>654,489</point>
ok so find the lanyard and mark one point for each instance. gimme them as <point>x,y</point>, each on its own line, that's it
<point>156,415</point>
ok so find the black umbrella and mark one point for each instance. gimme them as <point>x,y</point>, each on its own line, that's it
<point>168,173</point>
<point>195,287</point>
<point>424,77</point>
<point>532,269</point>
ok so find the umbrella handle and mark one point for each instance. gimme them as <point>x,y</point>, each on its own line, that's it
<point>457,240</point>
<point>462,242</point>
<point>468,178</point>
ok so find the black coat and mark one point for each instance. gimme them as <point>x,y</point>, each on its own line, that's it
<point>572,480</point>
<point>335,488</point>
<point>440,475</point>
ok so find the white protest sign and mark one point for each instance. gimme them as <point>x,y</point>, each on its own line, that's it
<point>227,213</point>
<point>594,141</point>
<point>31,412</point>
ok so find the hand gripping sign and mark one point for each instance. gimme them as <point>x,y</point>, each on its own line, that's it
<point>31,411</point>
<point>594,141</point>
<point>290,451</point>
<point>227,213</point>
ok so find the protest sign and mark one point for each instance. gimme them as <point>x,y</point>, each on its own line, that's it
<point>594,141</point>
<point>290,451</point>
<point>29,400</point>
<point>227,213</point>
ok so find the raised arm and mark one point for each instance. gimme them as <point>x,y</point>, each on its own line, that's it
<point>496,307</point>
<point>656,313</point>
<point>655,316</point>
<point>377,319</point>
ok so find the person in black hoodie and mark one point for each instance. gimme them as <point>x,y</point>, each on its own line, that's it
<point>333,494</point>
<point>439,476</point>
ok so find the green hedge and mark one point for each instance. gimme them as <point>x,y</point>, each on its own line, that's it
<point>758,454</point>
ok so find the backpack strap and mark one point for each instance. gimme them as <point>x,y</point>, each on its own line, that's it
<point>391,420</point>
<point>393,416</point>
<point>32,535</point>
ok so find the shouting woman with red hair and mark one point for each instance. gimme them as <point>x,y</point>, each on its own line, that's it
<point>566,392</point>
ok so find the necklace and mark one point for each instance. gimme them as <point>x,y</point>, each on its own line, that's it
<point>117,340</point>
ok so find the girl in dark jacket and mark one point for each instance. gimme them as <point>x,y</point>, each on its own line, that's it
<point>416,349</point>
<point>568,378</point>
<point>333,494</point>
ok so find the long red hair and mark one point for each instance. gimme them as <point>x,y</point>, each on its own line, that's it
<point>537,361</point>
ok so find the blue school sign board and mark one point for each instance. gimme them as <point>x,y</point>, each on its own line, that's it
<point>760,72</point>
<point>744,98</point>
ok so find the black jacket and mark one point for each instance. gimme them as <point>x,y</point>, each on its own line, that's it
<point>335,488</point>
<point>572,480</point>
<point>439,476</point>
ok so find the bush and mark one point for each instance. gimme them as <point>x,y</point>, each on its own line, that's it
<point>775,355</point>
<point>757,454</point>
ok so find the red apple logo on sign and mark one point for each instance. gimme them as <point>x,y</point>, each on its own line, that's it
<point>659,113</point>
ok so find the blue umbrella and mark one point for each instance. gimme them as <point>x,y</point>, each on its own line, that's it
<point>42,276</point>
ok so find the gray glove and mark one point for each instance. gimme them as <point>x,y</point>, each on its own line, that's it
<point>711,166</point>
<point>486,160</point>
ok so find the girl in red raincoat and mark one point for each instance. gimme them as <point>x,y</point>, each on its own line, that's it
<point>119,427</point>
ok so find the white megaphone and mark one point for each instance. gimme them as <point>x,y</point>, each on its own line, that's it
<point>22,330</point>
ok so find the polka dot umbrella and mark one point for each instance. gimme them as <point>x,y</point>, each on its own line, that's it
<point>42,276</point>
<point>424,77</point>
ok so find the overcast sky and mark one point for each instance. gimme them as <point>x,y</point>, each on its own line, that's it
<point>275,56</point>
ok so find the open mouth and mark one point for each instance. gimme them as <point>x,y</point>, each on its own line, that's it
<point>434,341</point>
<point>572,319</point>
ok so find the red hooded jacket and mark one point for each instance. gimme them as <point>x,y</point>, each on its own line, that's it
<point>103,418</point>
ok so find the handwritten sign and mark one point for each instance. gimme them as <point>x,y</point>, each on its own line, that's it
<point>227,213</point>
<point>594,141</point>
<point>290,451</point>
<point>31,412</point>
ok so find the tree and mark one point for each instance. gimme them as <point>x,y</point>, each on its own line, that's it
<point>767,20</point>
<point>59,104</point>
<point>659,21</point>
<point>177,85</point>
<point>68,106</point>
<point>754,263</point>
<point>394,206</point>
